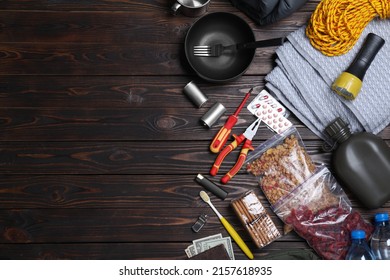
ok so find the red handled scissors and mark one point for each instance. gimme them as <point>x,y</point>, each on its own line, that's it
<point>248,135</point>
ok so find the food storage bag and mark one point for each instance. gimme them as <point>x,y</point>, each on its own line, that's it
<point>280,164</point>
<point>321,213</point>
<point>255,219</point>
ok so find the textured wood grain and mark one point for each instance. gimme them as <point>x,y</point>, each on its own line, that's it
<point>181,157</point>
<point>131,92</point>
<point>98,59</point>
<point>99,148</point>
<point>116,5</point>
<point>119,191</point>
<point>122,251</point>
<point>60,124</point>
<point>117,225</point>
<point>124,28</point>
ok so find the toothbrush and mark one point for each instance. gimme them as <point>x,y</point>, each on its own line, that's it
<point>227,226</point>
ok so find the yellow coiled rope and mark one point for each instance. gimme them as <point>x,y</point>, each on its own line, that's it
<point>336,25</point>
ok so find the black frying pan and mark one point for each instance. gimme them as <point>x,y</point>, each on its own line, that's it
<point>224,28</point>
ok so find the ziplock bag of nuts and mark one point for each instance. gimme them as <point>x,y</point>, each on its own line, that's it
<point>281,164</point>
<point>255,219</point>
<point>321,213</point>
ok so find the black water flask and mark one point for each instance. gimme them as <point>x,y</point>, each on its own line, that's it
<point>361,162</point>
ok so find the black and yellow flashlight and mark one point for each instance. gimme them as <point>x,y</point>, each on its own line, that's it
<point>349,83</point>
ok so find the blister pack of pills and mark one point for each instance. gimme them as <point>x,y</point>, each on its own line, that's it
<point>265,97</point>
<point>272,118</point>
<point>270,111</point>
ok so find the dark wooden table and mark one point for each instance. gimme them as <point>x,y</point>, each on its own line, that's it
<point>99,146</point>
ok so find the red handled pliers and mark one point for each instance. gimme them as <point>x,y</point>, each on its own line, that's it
<point>248,135</point>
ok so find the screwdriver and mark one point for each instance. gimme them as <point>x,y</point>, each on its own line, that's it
<point>223,134</point>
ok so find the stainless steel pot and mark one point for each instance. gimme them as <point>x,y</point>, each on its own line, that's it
<point>190,8</point>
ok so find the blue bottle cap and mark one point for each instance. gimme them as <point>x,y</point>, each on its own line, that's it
<point>358,234</point>
<point>381,217</point>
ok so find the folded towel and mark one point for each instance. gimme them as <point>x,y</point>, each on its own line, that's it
<point>303,77</point>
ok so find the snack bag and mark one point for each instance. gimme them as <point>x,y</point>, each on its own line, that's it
<point>255,219</point>
<point>281,164</point>
<point>306,199</point>
<point>321,213</point>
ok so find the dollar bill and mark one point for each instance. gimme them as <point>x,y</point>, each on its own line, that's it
<point>198,242</point>
<point>226,241</point>
<point>199,247</point>
<point>190,251</point>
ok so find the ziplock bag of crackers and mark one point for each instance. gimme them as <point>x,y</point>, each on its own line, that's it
<point>255,219</point>
<point>281,164</point>
<point>320,212</point>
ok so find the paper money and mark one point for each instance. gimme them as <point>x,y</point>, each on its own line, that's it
<point>190,251</point>
<point>203,244</point>
<point>226,241</point>
<point>198,242</point>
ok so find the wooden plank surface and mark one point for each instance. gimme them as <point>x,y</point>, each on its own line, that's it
<point>99,147</point>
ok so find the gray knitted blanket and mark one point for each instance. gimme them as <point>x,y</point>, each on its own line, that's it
<point>303,77</point>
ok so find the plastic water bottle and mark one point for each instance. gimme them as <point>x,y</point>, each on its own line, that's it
<point>359,249</point>
<point>380,240</point>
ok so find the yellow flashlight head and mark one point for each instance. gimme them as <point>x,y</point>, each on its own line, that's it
<point>347,86</point>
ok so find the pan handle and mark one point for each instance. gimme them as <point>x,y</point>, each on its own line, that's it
<point>262,44</point>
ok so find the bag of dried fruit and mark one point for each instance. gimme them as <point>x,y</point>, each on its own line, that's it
<point>281,164</point>
<point>321,213</point>
<point>306,198</point>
